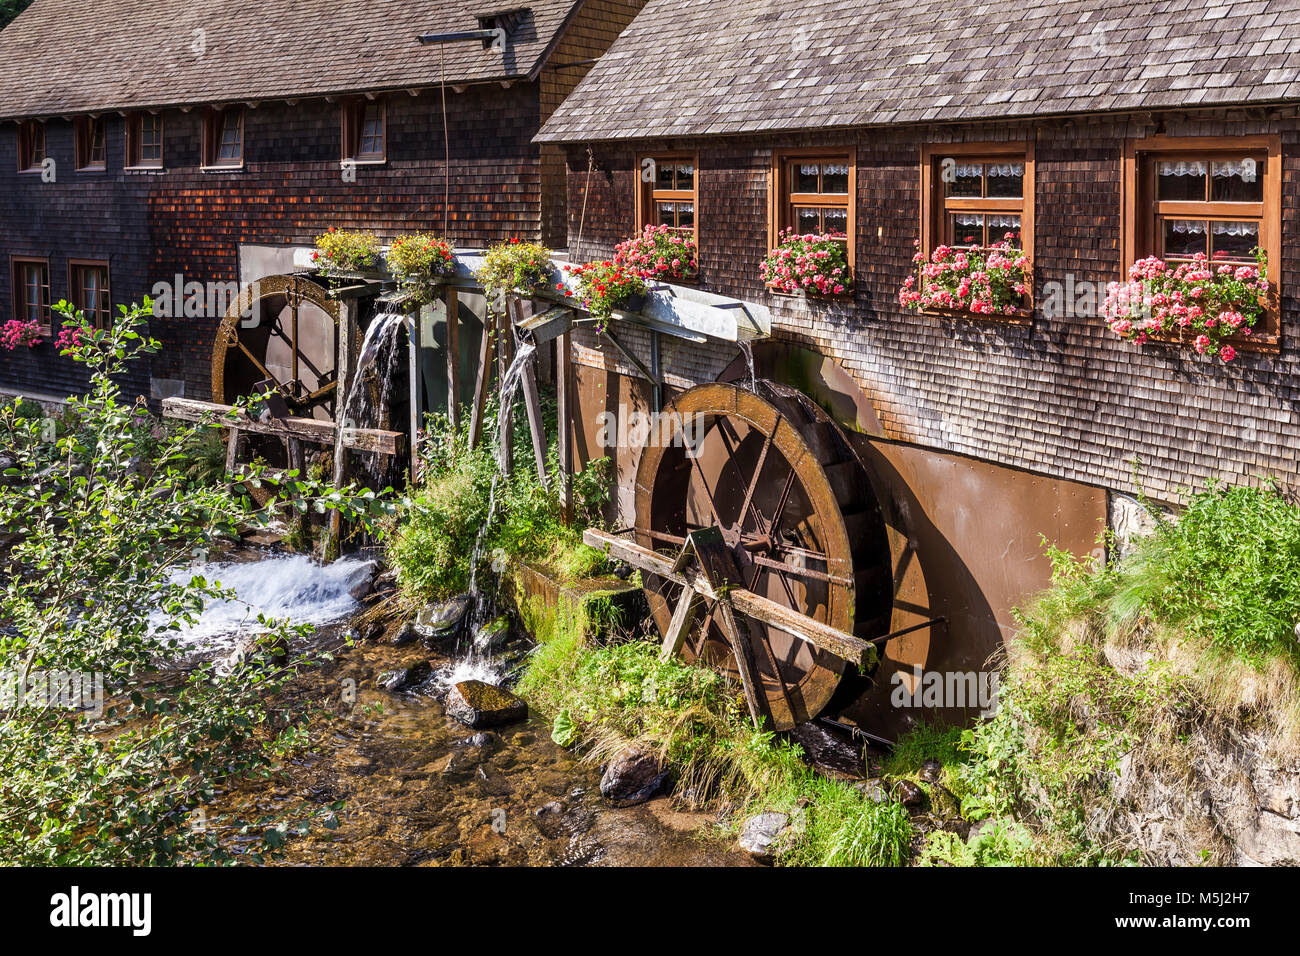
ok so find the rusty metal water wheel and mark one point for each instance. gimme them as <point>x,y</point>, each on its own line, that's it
<point>282,328</point>
<point>778,478</point>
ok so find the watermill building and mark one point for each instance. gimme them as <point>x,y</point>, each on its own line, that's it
<point>1086,135</point>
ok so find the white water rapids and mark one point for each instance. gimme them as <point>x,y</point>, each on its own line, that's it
<point>283,586</point>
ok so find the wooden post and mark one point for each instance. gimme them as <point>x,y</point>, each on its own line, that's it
<point>413,339</point>
<point>453,357</point>
<point>505,355</point>
<point>485,349</point>
<point>564,399</point>
<point>532,402</point>
<point>232,450</point>
<point>343,367</point>
<point>684,614</point>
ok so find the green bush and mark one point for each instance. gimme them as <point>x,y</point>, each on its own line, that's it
<point>1227,572</point>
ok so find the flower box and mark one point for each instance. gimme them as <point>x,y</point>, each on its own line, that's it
<point>1199,303</point>
<point>808,265</point>
<point>973,281</point>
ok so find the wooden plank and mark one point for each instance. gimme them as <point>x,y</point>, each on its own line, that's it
<point>485,350</point>
<point>505,433</point>
<point>308,430</point>
<point>453,357</point>
<point>564,400</point>
<point>684,614</point>
<point>816,633</point>
<point>718,567</point>
<point>343,369</point>
<point>232,450</point>
<point>415,390</point>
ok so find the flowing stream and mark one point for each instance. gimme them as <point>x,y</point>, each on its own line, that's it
<point>281,586</point>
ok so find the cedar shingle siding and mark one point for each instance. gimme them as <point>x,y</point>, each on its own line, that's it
<point>1063,396</point>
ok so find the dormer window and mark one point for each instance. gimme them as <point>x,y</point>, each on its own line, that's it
<point>223,138</point>
<point>365,131</point>
<point>505,20</point>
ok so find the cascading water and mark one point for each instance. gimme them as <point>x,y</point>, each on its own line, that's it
<point>479,662</point>
<point>378,354</point>
<point>287,586</point>
<point>747,348</point>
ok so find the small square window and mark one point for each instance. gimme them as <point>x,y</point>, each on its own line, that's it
<point>31,285</point>
<point>88,283</point>
<point>144,141</point>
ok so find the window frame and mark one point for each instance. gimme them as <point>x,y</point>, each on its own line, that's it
<point>781,203</point>
<point>75,290</point>
<point>213,127</point>
<point>647,195</point>
<point>25,146</point>
<point>1140,211</point>
<point>20,304</point>
<point>134,159</point>
<point>83,144</point>
<point>352,115</point>
<point>935,207</point>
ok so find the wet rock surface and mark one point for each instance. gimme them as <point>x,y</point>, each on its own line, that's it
<point>438,623</point>
<point>477,704</point>
<point>632,777</point>
<point>407,678</point>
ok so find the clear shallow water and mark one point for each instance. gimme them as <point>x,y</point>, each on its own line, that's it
<point>292,586</point>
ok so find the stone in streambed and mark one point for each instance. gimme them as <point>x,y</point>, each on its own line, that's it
<point>909,794</point>
<point>632,777</point>
<point>477,704</point>
<point>406,679</point>
<point>442,622</point>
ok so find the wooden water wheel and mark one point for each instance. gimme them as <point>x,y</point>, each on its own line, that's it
<point>778,479</point>
<point>285,329</point>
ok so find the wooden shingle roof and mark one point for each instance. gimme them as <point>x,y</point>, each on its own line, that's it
<point>74,56</point>
<point>704,67</point>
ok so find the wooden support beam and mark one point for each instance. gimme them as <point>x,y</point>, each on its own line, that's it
<point>344,374</point>
<point>376,440</point>
<point>505,355</point>
<point>532,401</point>
<point>684,614</point>
<point>564,399</point>
<point>232,450</point>
<point>718,568</point>
<point>416,390</point>
<point>814,632</point>
<point>486,346</point>
<point>452,303</point>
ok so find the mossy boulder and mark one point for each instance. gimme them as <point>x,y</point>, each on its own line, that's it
<point>477,704</point>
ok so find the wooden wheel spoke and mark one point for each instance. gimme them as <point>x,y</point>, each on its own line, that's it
<point>779,512</point>
<point>767,644</point>
<point>260,367</point>
<point>708,492</point>
<point>726,433</point>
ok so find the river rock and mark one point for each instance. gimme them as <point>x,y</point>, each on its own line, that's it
<point>441,622</point>
<point>406,679</point>
<point>362,580</point>
<point>477,704</point>
<point>761,835</point>
<point>873,790</point>
<point>401,633</point>
<point>931,771</point>
<point>909,794</point>
<point>632,777</point>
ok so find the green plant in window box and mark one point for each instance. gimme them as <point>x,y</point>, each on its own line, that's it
<point>342,252</point>
<point>418,263</point>
<point>514,266</point>
<point>814,264</point>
